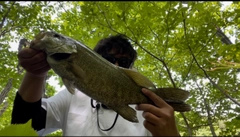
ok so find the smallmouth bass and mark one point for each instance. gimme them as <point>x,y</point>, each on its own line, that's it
<point>116,87</point>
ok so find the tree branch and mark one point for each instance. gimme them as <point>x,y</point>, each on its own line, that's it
<point>5,105</point>
<point>168,32</point>
<point>200,126</point>
<point>6,14</point>
<point>213,83</point>
<point>223,37</point>
<point>108,23</point>
<point>206,104</point>
<point>110,26</point>
<point>8,30</point>
<point>186,122</point>
<point>209,117</point>
<point>155,34</point>
<point>5,91</point>
<point>162,61</point>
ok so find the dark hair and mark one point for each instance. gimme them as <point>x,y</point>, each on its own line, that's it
<point>117,42</point>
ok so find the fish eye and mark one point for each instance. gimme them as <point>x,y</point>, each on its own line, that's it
<point>57,36</point>
<point>60,56</point>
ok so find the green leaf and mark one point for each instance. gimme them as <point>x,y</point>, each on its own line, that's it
<point>19,130</point>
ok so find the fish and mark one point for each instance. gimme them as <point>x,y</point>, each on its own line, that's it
<point>80,67</point>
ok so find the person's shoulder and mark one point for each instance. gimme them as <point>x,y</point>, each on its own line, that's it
<point>80,94</point>
<point>63,91</point>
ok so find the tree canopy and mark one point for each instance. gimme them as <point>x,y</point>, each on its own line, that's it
<point>179,44</point>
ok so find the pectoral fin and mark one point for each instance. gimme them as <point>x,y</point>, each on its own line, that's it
<point>77,71</point>
<point>139,78</point>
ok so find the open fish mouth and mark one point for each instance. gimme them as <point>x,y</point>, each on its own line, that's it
<point>56,46</point>
<point>60,56</point>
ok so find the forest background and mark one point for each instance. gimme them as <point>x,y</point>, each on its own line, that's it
<point>191,45</point>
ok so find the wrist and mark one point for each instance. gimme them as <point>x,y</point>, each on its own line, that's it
<point>31,87</point>
<point>42,75</point>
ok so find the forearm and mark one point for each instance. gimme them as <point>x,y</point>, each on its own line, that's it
<point>31,88</point>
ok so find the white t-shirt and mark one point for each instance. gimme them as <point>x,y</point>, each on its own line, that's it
<point>76,117</point>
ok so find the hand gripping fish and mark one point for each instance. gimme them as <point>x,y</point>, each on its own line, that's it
<point>116,87</point>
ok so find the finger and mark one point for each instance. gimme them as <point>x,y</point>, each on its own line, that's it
<point>155,98</point>
<point>149,126</point>
<point>153,119</point>
<point>39,57</point>
<point>39,66</point>
<point>27,53</point>
<point>150,108</point>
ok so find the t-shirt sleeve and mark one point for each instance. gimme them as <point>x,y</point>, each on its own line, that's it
<point>24,111</point>
<point>57,108</point>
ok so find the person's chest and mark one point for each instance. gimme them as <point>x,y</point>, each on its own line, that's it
<point>84,120</point>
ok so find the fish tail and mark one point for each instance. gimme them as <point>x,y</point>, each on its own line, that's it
<point>175,97</point>
<point>180,107</point>
<point>174,94</point>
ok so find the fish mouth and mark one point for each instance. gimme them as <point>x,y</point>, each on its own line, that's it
<point>60,56</point>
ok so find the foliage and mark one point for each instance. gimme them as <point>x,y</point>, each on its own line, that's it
<point>19,130</point>
<point>179,44</point>
<point>17,20</point>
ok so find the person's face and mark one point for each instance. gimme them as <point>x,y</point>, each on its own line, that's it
<point>122,60</point>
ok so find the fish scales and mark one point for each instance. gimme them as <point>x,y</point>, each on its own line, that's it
<point>96,80</point>
<point>101,81</point>
<point>116,87</point>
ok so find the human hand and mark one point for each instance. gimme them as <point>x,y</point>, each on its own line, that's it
<point>159,119</point>
<point>34,62</point>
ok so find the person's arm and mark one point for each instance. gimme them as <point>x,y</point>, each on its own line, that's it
<point>36,66</point>
<point>24,111</point>
<point>31,88</point>
<point>27,103</point>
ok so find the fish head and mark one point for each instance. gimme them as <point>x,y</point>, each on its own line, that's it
<point>60,50</point>
<point>56,46</point>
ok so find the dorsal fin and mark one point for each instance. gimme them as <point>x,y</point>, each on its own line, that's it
<point>138,78</point>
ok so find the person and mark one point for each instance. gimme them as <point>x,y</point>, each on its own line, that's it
<point>80,115</point>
